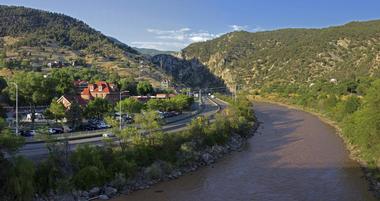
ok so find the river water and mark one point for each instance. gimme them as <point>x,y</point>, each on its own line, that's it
<point>294,156</point>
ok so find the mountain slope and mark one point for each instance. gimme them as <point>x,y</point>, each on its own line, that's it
<point>292,55</point>
<point>190,73</point>
<point>30,39</point>
<point>152,52</point>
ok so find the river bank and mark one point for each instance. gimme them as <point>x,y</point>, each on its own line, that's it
<point>292,156</point>
<point>144,179</point>
<point>354,152</point>
<point>159,156</point>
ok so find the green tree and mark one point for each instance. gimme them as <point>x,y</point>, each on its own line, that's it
<point>180,102</point>
<point>97,108</point>
<point>129,105</point>
<point>144,88</point>
<point>57,110</point>
<point>74,115</point>
<point>157,104</point>
<point>128,84</point>
<point>33,89</point>
<point>150,123</point>
<point>64,80</point>
<point>126,135</point>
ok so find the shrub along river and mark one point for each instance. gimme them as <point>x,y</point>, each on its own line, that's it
<point>293,156</point>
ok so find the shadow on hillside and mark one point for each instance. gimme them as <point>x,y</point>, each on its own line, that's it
<point>192,73</point>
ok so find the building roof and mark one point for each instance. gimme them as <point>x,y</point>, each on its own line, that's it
<point>100,86</point>
<point>73,98</point>
<point>80,82</point>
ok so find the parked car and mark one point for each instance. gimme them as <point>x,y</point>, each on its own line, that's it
<point>38,116</point>
<point>88,127</point>
<point>25,133</point>
<point>128,120</point>
<point>102,125</point>
<point>55,130</point>
<point>67,129</point>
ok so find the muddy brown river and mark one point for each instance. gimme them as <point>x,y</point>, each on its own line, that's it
<point>294,156</point>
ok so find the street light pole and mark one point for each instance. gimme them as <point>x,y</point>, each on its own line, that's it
<point>16,107</point>
<point>120,108</point>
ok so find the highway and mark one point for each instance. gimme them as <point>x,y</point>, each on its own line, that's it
<point>38,151</point>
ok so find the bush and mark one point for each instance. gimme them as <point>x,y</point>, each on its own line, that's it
<point>122,166</point>
<point>89,177</point>
<point>47,176</point>
<point>20,180</point>
<point>218,132</point>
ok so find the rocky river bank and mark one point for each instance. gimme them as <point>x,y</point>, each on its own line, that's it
<point>155,173</point>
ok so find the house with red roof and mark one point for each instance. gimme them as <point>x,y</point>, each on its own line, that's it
<point>100,89</point>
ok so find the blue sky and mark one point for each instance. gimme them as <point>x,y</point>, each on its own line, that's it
<point>173,24</point>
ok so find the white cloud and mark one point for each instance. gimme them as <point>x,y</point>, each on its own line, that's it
<point>235,27</point>
<point>257,29</point>
<point>177,39</point>
<point>159,45</point>
<point>202,36</point>
<point>174,39</point>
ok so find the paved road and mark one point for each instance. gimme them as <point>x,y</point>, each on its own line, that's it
<point>38,151</point>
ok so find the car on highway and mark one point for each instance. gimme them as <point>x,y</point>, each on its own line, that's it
<point>164,115</point>
<point>108,135</point>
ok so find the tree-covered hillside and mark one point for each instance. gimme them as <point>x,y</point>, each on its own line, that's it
<point>292,55</point>
<point>39,27</point>
<point>152,52</point>
<point>38,40</point>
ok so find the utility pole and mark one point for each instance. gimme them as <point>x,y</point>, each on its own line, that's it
<point>16,107</point>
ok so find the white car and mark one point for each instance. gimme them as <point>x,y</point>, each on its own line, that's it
<point>108,135</point>
<point>103,125</point>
